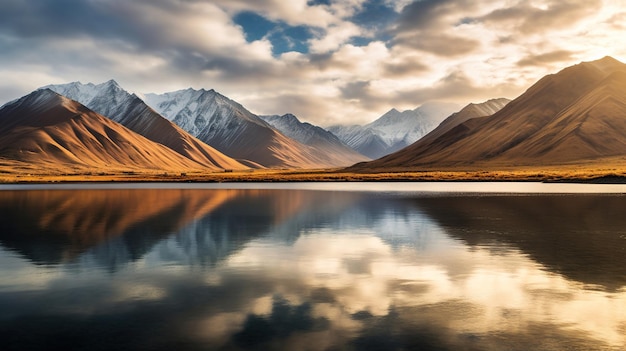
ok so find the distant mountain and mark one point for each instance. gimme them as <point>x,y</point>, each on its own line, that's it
<point>575,115</point>
<point>394,130</point>
<point>110,100</point>
<point>51,132</point>
<point>232,129</point>
<point>308,134</point>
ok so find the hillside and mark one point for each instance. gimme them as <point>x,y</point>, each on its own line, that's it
<point>52,132</point>
<point>577,114</point>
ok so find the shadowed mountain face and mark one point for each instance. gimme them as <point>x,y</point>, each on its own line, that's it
<point>110,100</point>
<point>55,133</point>
<point>574,115</point>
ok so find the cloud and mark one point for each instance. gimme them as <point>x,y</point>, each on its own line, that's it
<point>617,21</point>
<point>407,67</point>
<point>356,90</point>
<point>527,17</point>
<point>334,37</point>
<point>307,56</point>
<point>439,44</point>
<point>548,57</point>
<point>430,26</point>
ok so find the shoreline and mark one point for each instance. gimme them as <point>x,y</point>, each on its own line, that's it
<point>593,176</point>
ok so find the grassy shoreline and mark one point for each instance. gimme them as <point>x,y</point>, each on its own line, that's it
<point>559,174</point>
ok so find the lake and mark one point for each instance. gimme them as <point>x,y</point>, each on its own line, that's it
<point>313,266</point>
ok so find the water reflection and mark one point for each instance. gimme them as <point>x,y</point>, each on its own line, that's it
<point>307,270</point>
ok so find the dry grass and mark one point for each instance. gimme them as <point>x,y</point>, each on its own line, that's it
<point>608,170</point>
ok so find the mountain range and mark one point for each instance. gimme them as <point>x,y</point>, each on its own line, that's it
<point>394,130</point>
<point>232,129</point>
<point>575,115</point>
<point>110,100</point>
<point>50,130</point>
<point>313,136</point>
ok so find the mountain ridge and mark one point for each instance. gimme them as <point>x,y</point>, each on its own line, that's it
<point>393,130</point>
<point>110,100</point>
<point>530,130</point>
<point>231,128</point>
<point>54,132</point>
<point>309,134</point>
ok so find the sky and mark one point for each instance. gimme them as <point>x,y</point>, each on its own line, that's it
<point>326,61</point>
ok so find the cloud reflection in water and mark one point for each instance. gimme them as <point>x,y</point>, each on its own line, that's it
<point>291,270</point>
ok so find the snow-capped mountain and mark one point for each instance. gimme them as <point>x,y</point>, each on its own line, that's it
<point>110,100</point>
<point>204,113</point>
<point>394,130</point>
<point>232,129</point>
<point>311,135</point>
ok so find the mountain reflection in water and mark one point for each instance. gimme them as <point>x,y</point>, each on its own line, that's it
<point>310,270</point>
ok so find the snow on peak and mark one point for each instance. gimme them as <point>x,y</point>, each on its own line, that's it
<point>205,112</point>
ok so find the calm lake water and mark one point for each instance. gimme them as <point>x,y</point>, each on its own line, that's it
<point>334,266</point>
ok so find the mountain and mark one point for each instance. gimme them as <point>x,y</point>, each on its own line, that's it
<point>308,134</point>
<point>110,100</point>
<point>51,132</point>
<point>232,129</point>
<point>468,112</point>
<point>575,115</point>
<point>394,130</point>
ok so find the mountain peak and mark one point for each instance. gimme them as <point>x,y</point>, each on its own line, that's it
<point>43,96</point>
<point>111,82</point>
<point>110,85</point>
<point>573,115</point>
<point>290,116</point>
<point>607,64</point>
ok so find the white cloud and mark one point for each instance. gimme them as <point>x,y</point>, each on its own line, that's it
<point>459,51</point>
<point>334,37</point>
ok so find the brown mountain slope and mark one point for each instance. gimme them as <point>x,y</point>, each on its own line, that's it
<point>576,114</point>
<point>130,111</point>
<point>468,112</point>
<point>56,133</point>
<point>594,126</point>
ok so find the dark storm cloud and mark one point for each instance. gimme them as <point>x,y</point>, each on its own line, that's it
<point>548,57</point>
<point>531,19</point>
